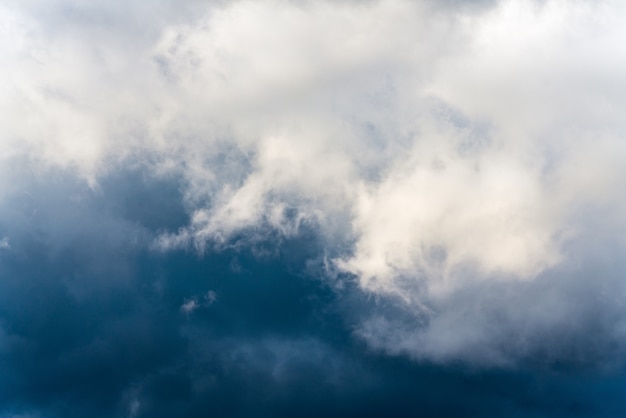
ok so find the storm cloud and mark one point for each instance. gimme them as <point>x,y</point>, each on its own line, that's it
<point>266,208</point>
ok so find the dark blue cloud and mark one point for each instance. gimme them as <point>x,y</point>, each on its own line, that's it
<point>92,325</point>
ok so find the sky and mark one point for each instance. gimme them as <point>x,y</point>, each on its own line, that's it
<point>345,208</point>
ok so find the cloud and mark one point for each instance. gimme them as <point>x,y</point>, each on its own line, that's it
<point>90,322</point>
<point>458,158</point>
<point>191,304</point>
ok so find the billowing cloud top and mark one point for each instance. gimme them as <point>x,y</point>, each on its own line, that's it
<point>461,163</point>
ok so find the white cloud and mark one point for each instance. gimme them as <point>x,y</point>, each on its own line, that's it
<point>210,298</point>
<point>435,147</point>
<point>192,304</point>
<point>189,306</point>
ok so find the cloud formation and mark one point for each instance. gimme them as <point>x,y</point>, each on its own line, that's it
<point>463,160</point>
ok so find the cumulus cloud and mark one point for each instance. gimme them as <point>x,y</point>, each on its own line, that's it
<point>450,157</point>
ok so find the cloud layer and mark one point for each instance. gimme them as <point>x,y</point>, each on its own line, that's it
<point>459,162</point>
